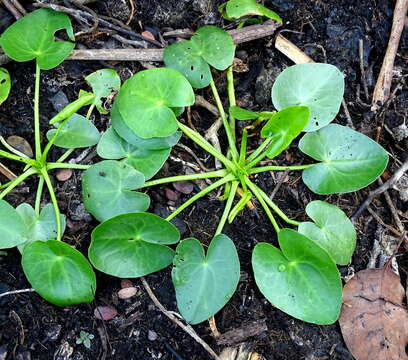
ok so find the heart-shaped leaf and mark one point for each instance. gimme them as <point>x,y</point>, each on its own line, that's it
<point>147,161</point>
<point>235,9</point>
<point>12,227</point>
<point>77,132</point>
<point>107,190</point>
<point>40,227</point>
<point>349,160</point>
<point>204,284</point>
<point>59,273</point>
<point>301,279</point>
<point>332,230</point>
<point>318,86</point>
<point>145,101</point>
<point>5,84</point>
<point>133,245</point>
<point>103,83</point>
<point>284,126</point>
<point>209,46</point>
<point>32,37</point>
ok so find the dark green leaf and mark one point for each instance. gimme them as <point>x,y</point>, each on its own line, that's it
<point>12,227</point>
<point>5,84</point>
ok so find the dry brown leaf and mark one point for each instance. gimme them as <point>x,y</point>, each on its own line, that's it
<point>21,145</point>
<point>373,320</point>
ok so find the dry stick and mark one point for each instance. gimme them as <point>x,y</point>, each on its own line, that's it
<point>383,85</point>
<point>7,172</point>
<point>10,7</point>
<point>16,292</point>
<point>187,328</point>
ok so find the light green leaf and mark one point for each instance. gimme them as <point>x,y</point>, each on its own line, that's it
<point>243,114</point>
<point>107,190</point>
<point>42,227</point>
<point>12,227</point>
<point>77,132</point>
<point>133,245</point>
<point>332,230</point>
<point>284,126</point>
<point>209,46</point>
<point>349,160</point>
<point>32,37</point>
<point>103,83</point>
<point>145,101</point>
<point>5,84</point>
<point>204,284</point>
<point>235,9</point>
<point>301,279</point>
<point>319,86</point>
<point>59,273</point>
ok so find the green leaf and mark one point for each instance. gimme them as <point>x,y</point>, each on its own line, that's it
<point>32,37</point>
<point>319,86</point>
<point>204,284</point>
<point>332,230</point>
<point>41,227</point>
<point>300,279</point>
<point>77,132</point>
<point>235,9</point>
<point>147,161</point>
<point>145,101</point>
<point>209,46</point>
<point>5,84</point>
<point>243,114</point>
<point>12,227</point>
<point>107,190</point>
<point>103,82</point>
<point>133,245</point>
<point>59,273</point>
<point>284,126</point>
<point>349,160</point>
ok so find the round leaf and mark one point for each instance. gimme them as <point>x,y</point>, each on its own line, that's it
<point>12,227</point>
<point>349,160</point>
<point>300,279</point>
<point>133,245</point>
<point>284,126</point>
<point>32,37</point>
<point>107,190</point>
<point>5,84</point>
<point>332,230</point>
<point>238,8</point>
<point>59,273</point>
<point>204,284</point>
<point>77,132</point>
<point>147,161</point>
<point>319,86</point>
<point>145,101</point>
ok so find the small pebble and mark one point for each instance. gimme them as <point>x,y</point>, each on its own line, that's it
<point>152,335</point>
<point>64,174</point>
<point>185,187</point>
<point>171,195</point>
<point>105,312</point>
<point>21,145</point>
<point>127,293</point>
<point>125,283</point>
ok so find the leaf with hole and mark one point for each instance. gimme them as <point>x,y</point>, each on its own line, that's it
<point>76,132</point>
<point>32,37</point>
<point>318,86</point>
<point>235,9</point>
<point>59,273</point>
<point>103,82</point>
<point>284,126</point>
<point>300,279</point>
<point>5,84</point>
<point>13,229</point>
<point>349,160</point>
<point>133,245</point>
<point>108,190</point>
<point>331,229</point>
<point>145,101</point>
<point>209,46</point>
<point>204,283</point>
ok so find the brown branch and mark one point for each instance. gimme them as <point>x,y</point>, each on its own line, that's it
<point>10,7</point>
<point>16,292</point>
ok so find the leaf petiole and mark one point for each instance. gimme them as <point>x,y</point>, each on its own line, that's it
<point>37,134</point>
<point>262,169</point>
<point>57,165</point>
<point>231,98</point>
<point>227,208</point>
<point>18,180</point>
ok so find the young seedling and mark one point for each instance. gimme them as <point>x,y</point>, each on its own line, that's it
<point>85,338</point>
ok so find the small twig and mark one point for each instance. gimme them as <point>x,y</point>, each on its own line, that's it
<point>362,70</point>
<point>187,328</point>
<point>213,327</point>
<point>200,101</point>
<point>192,153</point>
<point>347,113</point>
<point>16,292</point>
<point>290,50</point>
<point>381,222</point>
<point>212,136</point>
<point>132,12</point>
<point>7,172</point>
<point>95,17</point>
<point>10,7</point>
<point>279,183</point>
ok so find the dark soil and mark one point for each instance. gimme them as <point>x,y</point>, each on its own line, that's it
<point>329,31</point>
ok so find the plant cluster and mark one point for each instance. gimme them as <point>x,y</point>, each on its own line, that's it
<point>299,277</point>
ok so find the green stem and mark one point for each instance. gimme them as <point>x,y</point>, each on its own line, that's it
<point>242,152</point>
<point>65,155</point>
<point>208,189</point>
<point>37,134</point>
<point>16,158</point>
<point>3,186</point>
<point>227,208</point>
<point>52,166</point>
<point>254,189</point>
<point>230,135</point>
<point>239,206</point>
<point>38,195</point>
<point>54,202</point>
<point>18,180</point>
<point>52,141</point>
<point>204,175</point>
<point>259,150</point>
<point>89,113</point>
<point>278,168</point>
<point>231,98</point>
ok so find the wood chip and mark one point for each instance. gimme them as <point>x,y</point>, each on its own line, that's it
<point>127,293</point>
<point>238,335</point>
<point>105,313</point>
